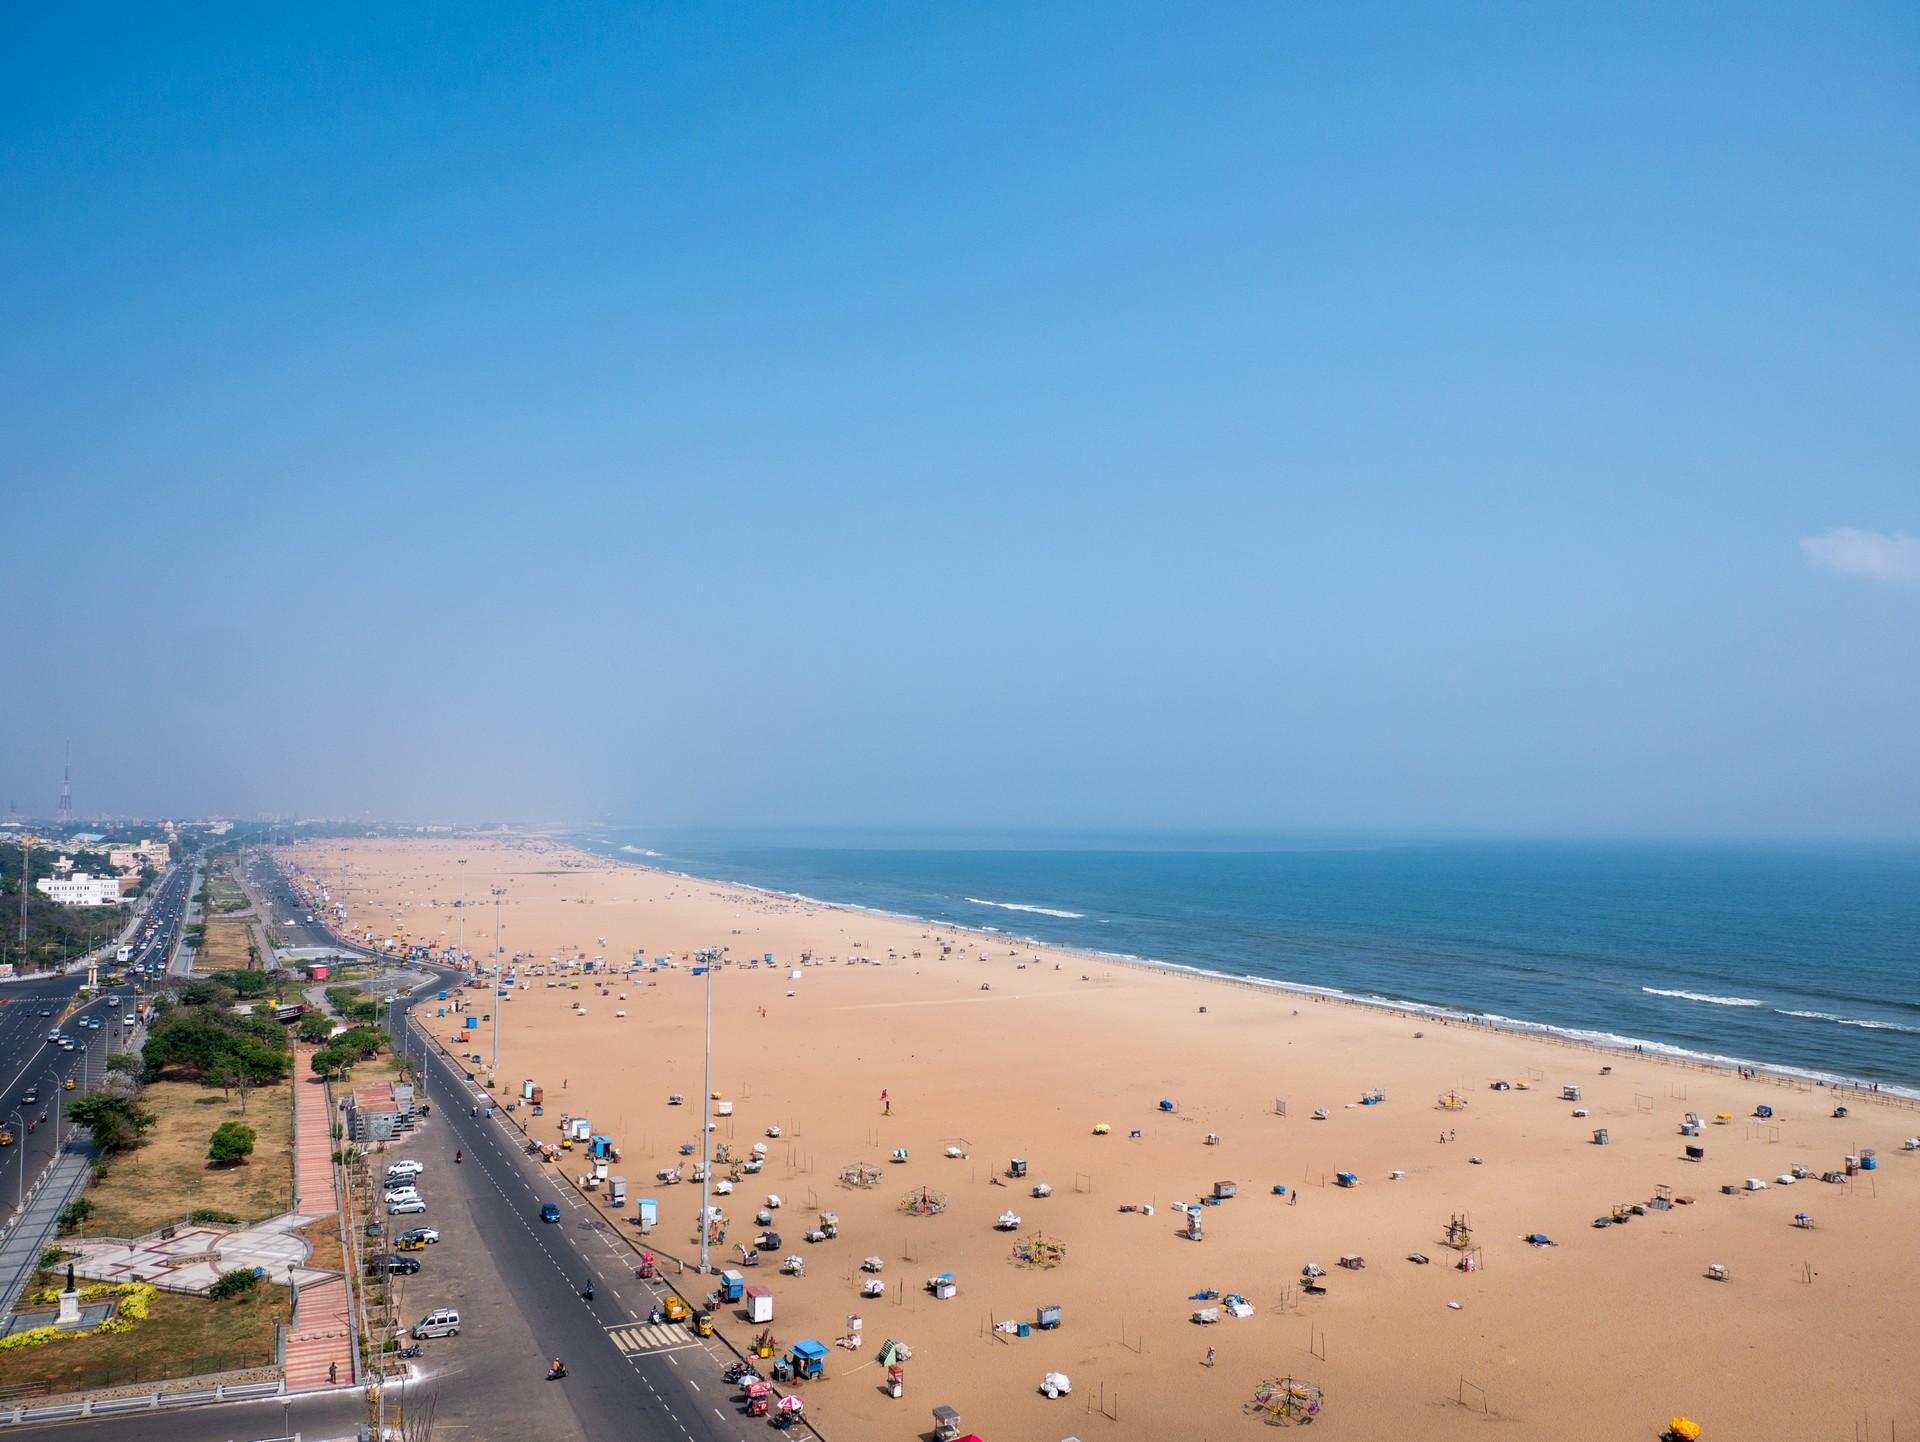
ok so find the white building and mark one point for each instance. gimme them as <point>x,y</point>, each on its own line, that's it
<point>81,889</point>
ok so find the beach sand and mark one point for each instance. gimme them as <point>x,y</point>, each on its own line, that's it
<point>1604,1336</point>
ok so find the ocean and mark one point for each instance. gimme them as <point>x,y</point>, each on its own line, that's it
<point>1804,959</point>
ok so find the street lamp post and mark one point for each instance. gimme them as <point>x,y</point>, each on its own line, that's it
<point>461,921</point>
<point>20,1139</point>
<point>707,958</point>
<point>498,892</point>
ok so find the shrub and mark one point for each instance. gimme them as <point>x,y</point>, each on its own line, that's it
<point>74,1213</point>
<point>231,1142</point>
<point>212,1214</point>
<point>236,1283</point>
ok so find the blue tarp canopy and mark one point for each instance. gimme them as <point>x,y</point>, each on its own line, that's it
<point>810,1350</point>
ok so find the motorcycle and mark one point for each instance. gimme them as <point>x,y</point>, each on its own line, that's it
<point>456,1156</point>
<point>556,1371</point>
<point>407,1354</point>
<point>586,1292</point>
<point>739,1372</point>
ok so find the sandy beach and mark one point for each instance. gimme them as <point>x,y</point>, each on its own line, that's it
<point>995,1050</point>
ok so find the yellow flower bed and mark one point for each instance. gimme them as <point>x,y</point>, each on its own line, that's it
<point>136,1299</point>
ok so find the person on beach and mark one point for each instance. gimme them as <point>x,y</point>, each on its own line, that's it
<point>885,1103</point>
<point>1209,1356</point>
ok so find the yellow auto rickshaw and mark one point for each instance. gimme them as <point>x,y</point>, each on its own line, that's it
<point>68,1084</point>
<point>6,1139</point>
<point>703,1324</point>
<point>674,1310</point>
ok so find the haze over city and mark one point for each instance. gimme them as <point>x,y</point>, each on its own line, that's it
<point>1469,419</point>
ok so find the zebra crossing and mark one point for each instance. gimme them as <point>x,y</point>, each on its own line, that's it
<point>649,1337</point>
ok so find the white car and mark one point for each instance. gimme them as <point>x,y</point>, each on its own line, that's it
<point>406,1209</point>
<point>402,1194</point>
<point>405,1168</point>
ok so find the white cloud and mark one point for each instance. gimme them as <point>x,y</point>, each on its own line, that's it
<point>1871,554</point>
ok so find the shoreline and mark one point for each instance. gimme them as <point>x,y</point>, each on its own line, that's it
<point>1794,1078</point>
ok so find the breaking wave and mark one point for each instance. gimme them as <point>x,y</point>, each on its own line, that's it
<point>1703,996</point>
<point>1035,910</point>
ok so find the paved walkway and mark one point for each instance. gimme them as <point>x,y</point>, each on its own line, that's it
<point>325,1336</point>
<point>34,1229</point>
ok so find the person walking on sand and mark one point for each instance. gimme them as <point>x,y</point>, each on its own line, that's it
<point>884,1102</point>
<point>1209,1356</point>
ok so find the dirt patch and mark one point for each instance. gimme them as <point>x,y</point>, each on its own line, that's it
<point>323,1238</point>
<point>168,1177</point>
<point>225,947</point>
<point>182,1337</point>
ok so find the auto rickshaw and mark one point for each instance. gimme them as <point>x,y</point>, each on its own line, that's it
<point>675,1310</point>
<point>410,1244</point>
<point>67,1085</point>
<point>703,1323</point>
<point>6,1138</point>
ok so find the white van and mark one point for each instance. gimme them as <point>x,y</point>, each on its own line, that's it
<point>444,1322</point>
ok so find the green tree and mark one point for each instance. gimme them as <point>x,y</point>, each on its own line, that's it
<point>232,1142</point>
<point>117,1123</point>
<point>314,1027</point>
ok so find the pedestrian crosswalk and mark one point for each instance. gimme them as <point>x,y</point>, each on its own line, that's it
<point>649,1337</point>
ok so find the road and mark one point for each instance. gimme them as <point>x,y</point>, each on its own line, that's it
<point>281,909</point>
<point>29,1060</point>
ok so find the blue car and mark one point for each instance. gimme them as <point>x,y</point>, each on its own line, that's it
<point>550,1213</point>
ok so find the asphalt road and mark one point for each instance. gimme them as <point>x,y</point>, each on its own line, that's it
<point>281,910</point>
<point>29,1010</point>
<point>526,1309</point>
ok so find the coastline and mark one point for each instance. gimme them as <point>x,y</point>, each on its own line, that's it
<point>1800,1079</point>
<point>985,1050</point>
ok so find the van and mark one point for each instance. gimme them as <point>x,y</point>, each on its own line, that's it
<point>443,1322</point>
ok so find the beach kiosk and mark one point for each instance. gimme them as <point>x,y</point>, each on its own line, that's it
<point>808,1359</point>
<point>733,1286</point>
<point>759,1304</point>
<point>946,1424</point>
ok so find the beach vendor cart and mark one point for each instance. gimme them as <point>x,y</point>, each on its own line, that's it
<point>788,1412</point>
<point>758,1395</point>
<point>808,1360</point>
<point>946,1424</point>
<point>647,1268</point>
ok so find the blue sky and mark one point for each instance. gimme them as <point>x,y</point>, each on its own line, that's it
<point>1480,418</point>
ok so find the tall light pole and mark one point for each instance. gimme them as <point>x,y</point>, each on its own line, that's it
<point>20,1189</point>
<point>461,945</point>
<point>498,892</point>
<point>707,959</point>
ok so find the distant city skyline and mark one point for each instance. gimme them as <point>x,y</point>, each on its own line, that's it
<point>1275,419</point>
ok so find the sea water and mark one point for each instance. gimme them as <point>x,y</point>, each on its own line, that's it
<point>1804,958</point>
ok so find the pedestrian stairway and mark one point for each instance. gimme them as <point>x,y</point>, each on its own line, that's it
<point>649,1337</point>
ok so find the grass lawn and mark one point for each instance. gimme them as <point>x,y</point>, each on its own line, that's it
<point>182,1337</point>
<point>224,894</point>
<point>169,1175</point>
<point>225,948</point>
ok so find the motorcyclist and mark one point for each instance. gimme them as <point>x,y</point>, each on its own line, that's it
<point>586,1291</point>
<point>558,1369</point>
<point>456,1156</point>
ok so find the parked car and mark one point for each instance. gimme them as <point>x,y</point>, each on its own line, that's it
<point>409,1208</point>
<point>393,1264</point>
<point>442,1322</point>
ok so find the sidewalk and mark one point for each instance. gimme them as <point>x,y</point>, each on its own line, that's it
<point>20,1251</point>
<point>325,1335</point>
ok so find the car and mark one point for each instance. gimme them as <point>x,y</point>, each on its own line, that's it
<point>402,1194</point>
<point>46,1011</point>
<point>443,1322</point>
<point>31,1095</point>
<point>393,1265</point>
<point>412,1207</point>
<point>426,1236</point>
<point>408,1166</point>
<point>550,1213</point>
